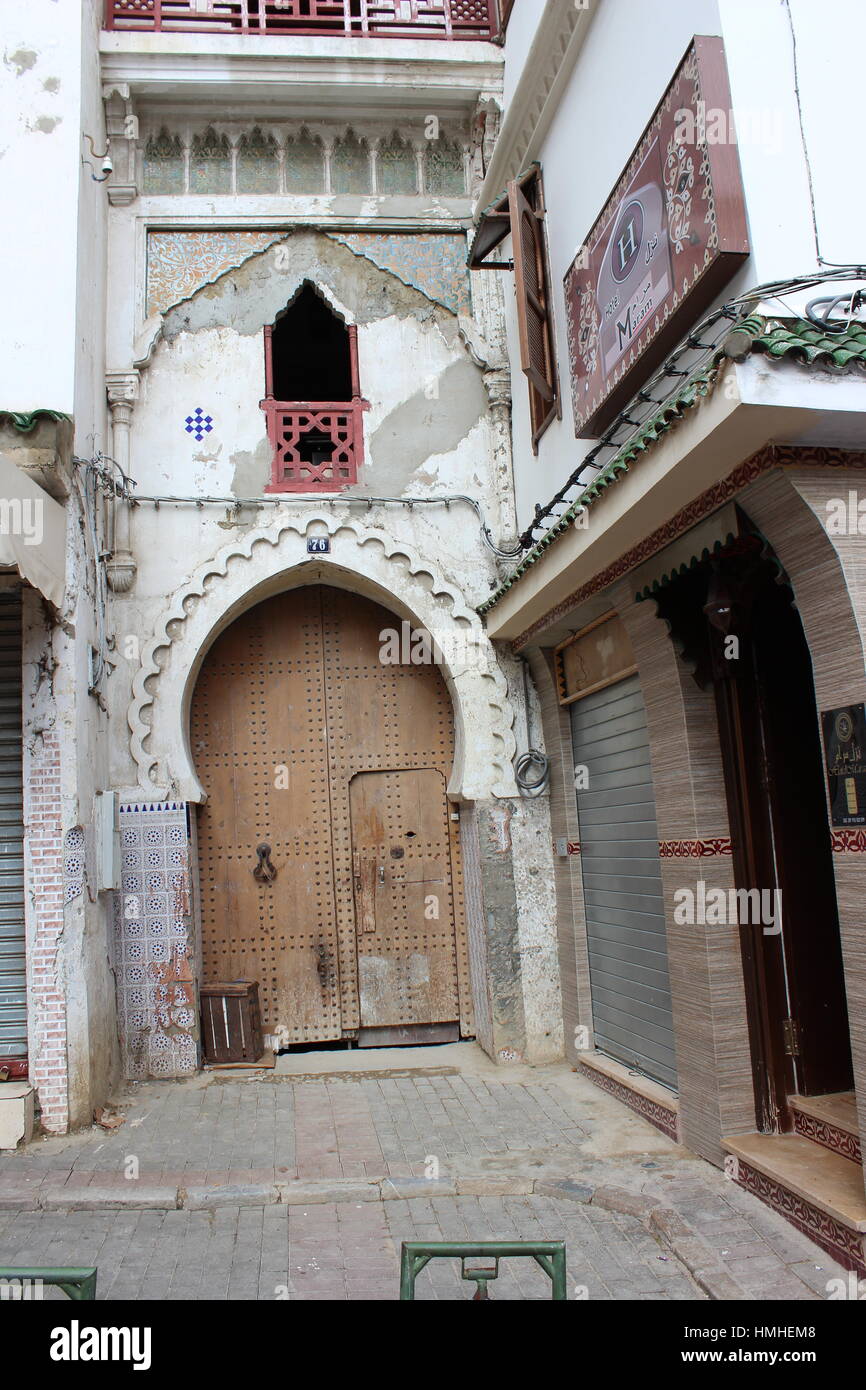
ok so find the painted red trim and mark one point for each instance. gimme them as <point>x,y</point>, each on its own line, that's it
<point>17,1067</point>
<point>440,19</point>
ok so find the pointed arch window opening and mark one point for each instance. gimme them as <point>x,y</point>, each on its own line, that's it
<point>313,404</point>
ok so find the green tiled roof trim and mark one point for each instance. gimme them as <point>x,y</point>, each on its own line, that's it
<point>801,340</point>
<point>25,423</point>
<point>779,338</point>
<point>698,385</point>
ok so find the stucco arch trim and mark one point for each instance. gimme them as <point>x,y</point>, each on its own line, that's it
<point>273,559</point>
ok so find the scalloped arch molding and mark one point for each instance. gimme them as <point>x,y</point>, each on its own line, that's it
<point>363,559</point>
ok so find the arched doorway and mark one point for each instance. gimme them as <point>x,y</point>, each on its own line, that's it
<point>307,741</point>
<point>735,619</point>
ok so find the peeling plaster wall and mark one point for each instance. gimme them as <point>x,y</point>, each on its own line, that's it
<point>427,427</point>
<point>535,893</point>
<point>428,431</point>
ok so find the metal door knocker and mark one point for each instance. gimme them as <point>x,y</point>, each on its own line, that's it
<point>264,872</point>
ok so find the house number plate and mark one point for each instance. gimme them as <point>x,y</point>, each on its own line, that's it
<point>318,545</point>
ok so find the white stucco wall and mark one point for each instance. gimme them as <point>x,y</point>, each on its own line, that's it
<point>599,120</point>
<point>42,112</point>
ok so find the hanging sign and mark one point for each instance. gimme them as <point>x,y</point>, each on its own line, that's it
<point>671,234</point>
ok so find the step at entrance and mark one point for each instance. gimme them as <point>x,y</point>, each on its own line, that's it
<point>830,1121</point>
<point>818,1191</point>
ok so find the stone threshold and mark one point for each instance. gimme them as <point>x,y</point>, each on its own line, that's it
<point>647,1098</point>
<point>818,1191</point>
<point>829,1120</point>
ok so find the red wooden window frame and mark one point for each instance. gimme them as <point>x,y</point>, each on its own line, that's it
<point>289,421</point>
<point>442,19</point>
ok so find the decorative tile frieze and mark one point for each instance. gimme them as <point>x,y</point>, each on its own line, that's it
<point>843,1244</point>
<point>663,1117</point>
<point>832,1137</point>
<point>179,263</point>
<point>848,841</point>
<point>434,263</point>
<point>695,849</point>
<point>773,456</point>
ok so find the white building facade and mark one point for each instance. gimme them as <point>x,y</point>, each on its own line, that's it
<point>671,198</point>
<point>273,418</point>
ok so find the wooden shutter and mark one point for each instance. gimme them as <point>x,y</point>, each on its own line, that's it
<point>530,277</point>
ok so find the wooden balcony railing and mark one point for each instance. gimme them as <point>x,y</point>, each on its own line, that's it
<point>318,445</point>
<point>410,19</point>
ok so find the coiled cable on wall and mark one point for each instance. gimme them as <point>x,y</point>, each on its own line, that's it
<point>528,784</point>
<point>532,786</point>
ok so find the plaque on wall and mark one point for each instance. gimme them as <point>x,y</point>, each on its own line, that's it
<point>597,656</point>
<point>844,749</point>
<point>672,232</point>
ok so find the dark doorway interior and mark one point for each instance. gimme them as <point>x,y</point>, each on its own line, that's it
<point>774,784</point>
<point>310,352</point>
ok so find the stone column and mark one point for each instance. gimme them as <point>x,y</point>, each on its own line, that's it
<point>122,390</point>
<point>497,382</point>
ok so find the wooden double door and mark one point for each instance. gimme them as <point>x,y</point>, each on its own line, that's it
<point>329,862</point>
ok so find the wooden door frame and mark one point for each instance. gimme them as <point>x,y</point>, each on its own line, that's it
<point>763,985</point>
<point>763,711</point>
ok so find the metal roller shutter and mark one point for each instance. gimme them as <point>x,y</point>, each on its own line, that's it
<point>13,981</point>
<point>628,963</point>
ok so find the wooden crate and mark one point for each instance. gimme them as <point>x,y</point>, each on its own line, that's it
<point>231,1026</point>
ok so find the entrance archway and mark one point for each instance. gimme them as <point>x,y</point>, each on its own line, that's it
<point>329,855</point>
<point>735,619</point>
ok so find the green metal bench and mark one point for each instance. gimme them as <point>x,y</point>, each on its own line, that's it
<point>76,1283</point>
<point>549,1254</point>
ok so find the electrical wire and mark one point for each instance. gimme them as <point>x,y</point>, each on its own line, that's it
<point>327,500</point>
<point>730,312</point>
<point>533,757</point>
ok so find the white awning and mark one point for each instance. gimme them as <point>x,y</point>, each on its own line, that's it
<point>32,532</point>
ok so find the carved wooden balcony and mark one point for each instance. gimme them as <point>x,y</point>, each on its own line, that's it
<point>410,19</point>
<point>318,446</point>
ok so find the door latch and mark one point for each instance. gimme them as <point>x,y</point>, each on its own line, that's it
<point>264,871</point>
<point>322,966</point>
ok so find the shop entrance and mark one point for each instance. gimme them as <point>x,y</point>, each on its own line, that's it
<point>735,618</point>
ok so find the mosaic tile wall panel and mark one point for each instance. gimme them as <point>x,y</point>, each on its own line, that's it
<point>153,940</point>
<point>179,263</point>
<point>433,262</point>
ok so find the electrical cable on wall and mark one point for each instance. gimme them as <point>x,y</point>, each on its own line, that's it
<point>97,479</point>
<point>529,784</point>
<point>328,500</point>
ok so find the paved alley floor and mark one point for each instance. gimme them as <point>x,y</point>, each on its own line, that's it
<point>302,1183</point>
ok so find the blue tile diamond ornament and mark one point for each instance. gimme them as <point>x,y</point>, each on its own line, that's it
<point>199,424</point>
